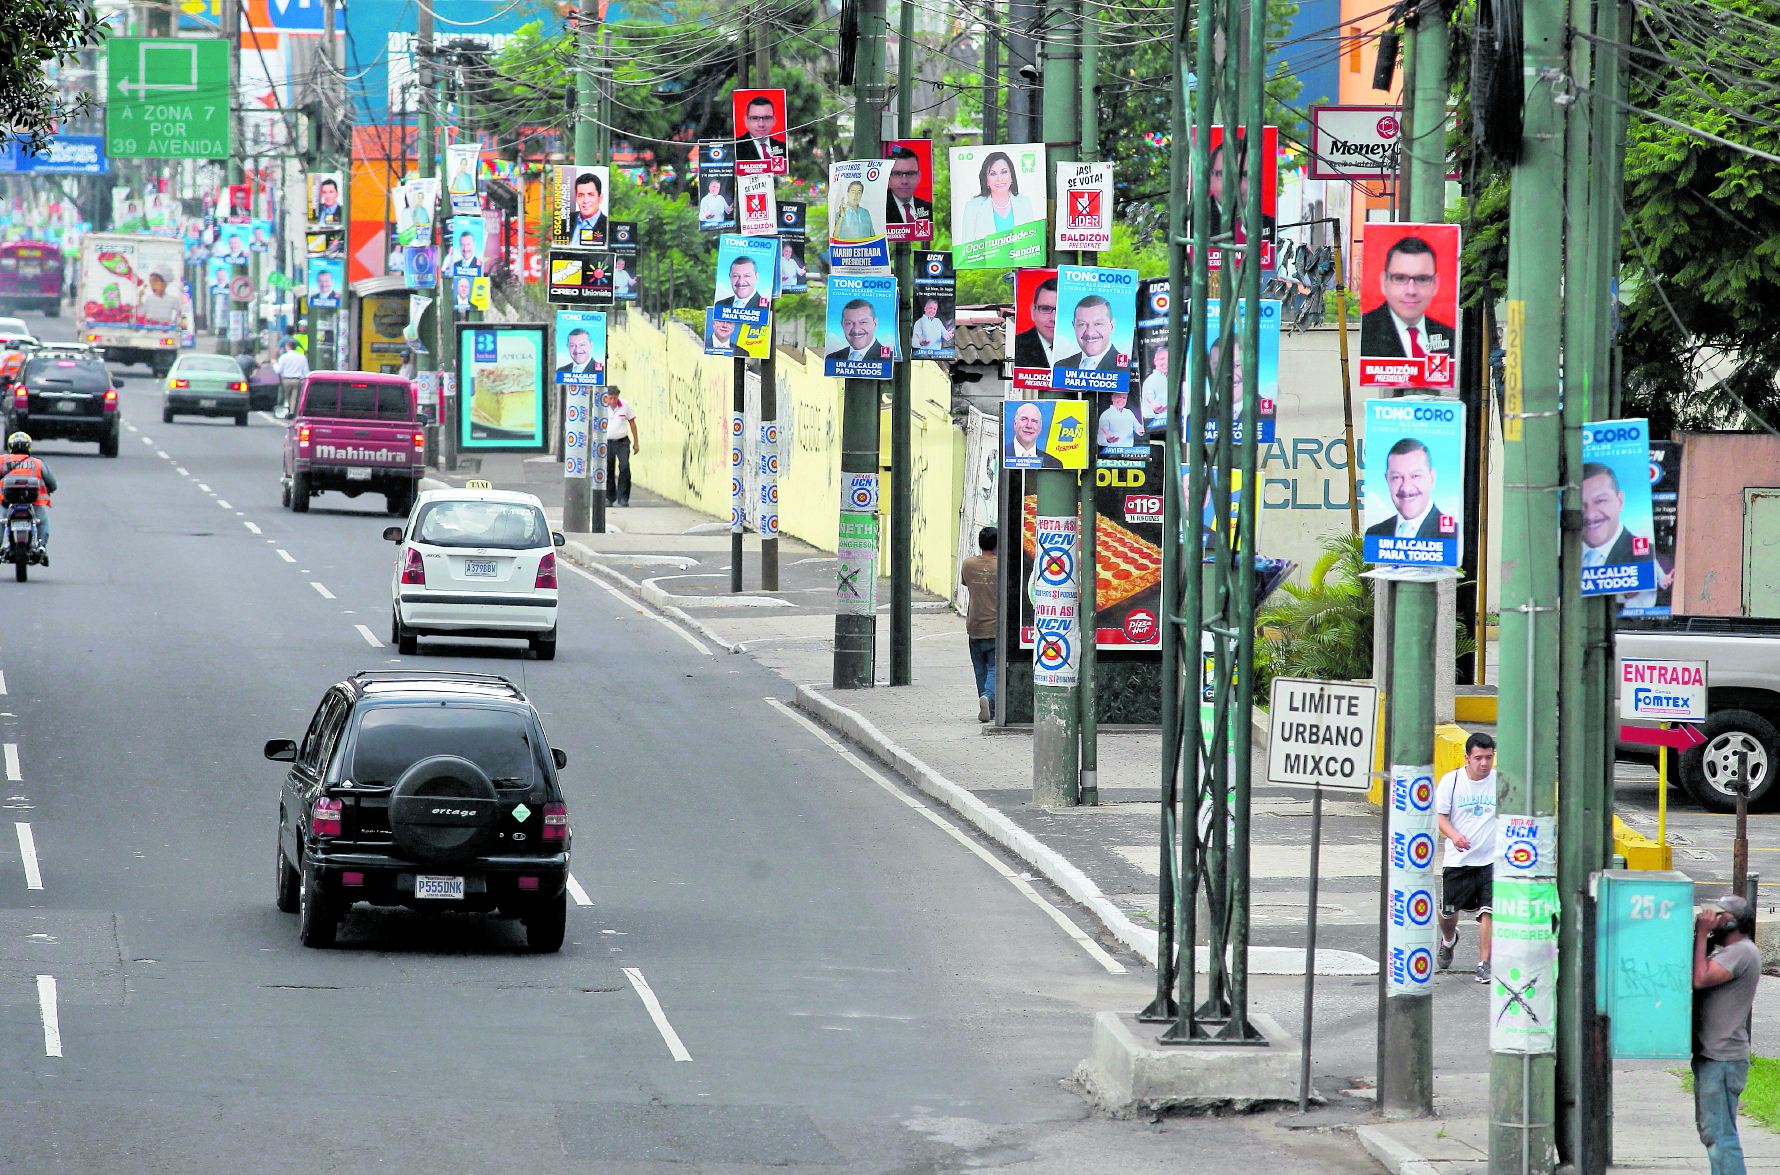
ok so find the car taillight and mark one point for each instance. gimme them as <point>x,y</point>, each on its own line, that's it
<point>240,386</point>
<point>420,440</point>
<point>92,337</point>
<point>21,399</point>
<point>169,340</point>
<point>303,435</point>
<point>111,399</point>
<point>546,571</point>
<point>556,821</point>
<point>179,383</point>
<point>326,820</point>
<point>413,570</point>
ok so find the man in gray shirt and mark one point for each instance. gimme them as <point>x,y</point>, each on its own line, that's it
<point>1726,969</point>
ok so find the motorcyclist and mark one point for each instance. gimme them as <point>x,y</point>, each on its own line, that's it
<point>18,459</point>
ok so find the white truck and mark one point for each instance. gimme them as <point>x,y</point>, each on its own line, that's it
<point>132,297</point>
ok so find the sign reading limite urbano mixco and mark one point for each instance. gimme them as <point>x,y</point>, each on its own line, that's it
<point>1662,691</point>
<point>1320,734</point>
<point>167,98</point>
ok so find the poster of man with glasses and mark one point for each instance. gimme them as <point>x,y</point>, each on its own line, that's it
<point>1408,305</point>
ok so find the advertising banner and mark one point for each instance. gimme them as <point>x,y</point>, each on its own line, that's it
<point>1237,169</point>
<point>744,280</point>
<point>577,205</point>
<point>261,239</point>
<point>1618,555</point>
<point>759,132</point>
<point>1084,206</point>
<point>998,206</point>
<point>725,336</point>
<point>716,185</point>
<point>856,240</point>
<point>581,347</point>
<point>1056,596</point>
<point>324,199</point>
<point>65,155</point>
<point>1523,964</point>
<point>1152,352</point>
<point>1408,303</point>
<point>759,216</point>
<point>415,202</point>
<point>232,243</point>
<point>1414,483</point>
<point>461,163</point>
<point>862,339</point>
<point>581,279</point>
<point>1355,142</point>
<point>624,278</point>
<point>1411,932</point>
<point>420,266</point>
<point>1269,363</point>
<point>577,411</point>
<point>856,580</point>
<point>935,308</point>
<point>624,238</point>
<point>1044,434</point>
<point>793,260</point>
<point>908,204</point>
<point>502,369</point>
<point>466,244</point>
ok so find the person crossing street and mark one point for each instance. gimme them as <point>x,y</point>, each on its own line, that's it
<point>1465,806</point>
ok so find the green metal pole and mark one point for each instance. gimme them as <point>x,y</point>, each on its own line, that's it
<point>1522,1072</point>
<point>1090,522</point>
<point>769,366</point>
<point>425,150</point>
<point>584,497</point>
<point>1426,152</point>
<point>855,622</point>
<point>902,490</point>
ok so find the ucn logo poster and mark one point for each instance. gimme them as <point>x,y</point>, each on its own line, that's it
<point>1055,588</point>
<point>1523,965</point>
<point>1414,488</point>
<point>1410,927</point>
<point>1618,552</point>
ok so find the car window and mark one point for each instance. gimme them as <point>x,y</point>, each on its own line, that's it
<point>210,364</point>
<point>513,526</point>
<point>307,753</point>
<point>359,399</point>
<point>67,375</point>
<point>391,739</point>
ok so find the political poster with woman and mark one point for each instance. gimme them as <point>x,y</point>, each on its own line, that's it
<point>998,206</point>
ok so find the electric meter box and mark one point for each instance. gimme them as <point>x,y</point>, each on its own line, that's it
<point>1644,961</point>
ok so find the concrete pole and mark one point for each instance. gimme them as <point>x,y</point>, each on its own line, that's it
<point>425,149</point>
<point>902,489</point>
<point>583,496</point>
<point>231,28</point>
<point>769,381</point>
<point>1089,149</point>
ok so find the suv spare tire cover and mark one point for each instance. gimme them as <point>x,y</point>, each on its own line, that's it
<point>442,809</point>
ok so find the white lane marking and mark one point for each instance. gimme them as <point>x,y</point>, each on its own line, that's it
<point>28,850</point>
<point>370,637</point>
<point>2,681</point>
<point>579,894</point>
<point>269,418</point>
<point>52,1020</point>
<point>250,526</point>
<point>285,555</point>
<point>12,761</point>
<point>1058,916</point>
<point>162,455</point>
<point>325,593</point>
<point>656,616</point>
<point>205,488</point>
<point>224,504</point>
<point>647,995</point>
<point>148,440</point>
<point>182,471</point>
<point>131,427</point>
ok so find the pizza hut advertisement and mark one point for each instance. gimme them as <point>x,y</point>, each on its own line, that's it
<point>1128,552</point>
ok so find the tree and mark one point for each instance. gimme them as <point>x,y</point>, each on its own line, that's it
<point>33,35</point>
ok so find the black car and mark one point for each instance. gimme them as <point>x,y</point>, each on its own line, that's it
<point>436,791</point>
<point>66,395</point>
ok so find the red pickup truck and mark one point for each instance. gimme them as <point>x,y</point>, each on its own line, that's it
<point>354,433</point>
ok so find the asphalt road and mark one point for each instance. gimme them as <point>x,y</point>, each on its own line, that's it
<point>856,989</point>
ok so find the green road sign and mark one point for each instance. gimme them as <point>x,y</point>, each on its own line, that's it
<point>167,98</point>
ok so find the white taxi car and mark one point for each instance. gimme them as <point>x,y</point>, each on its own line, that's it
<point>475,562</point>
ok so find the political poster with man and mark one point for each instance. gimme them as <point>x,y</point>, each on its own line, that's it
<point>467,236</point>
<point>1152,352</point>
<point>727,337</point>
<point>325,209</point>
<point>856,231</point>
<point>578,207</point>
<point>1618,526</point>
<point>581,347</point>
<point>862,342</point>
<point>1414,491</point>
<point>908,200</point>
<point>1034,345</point>
<point>1044,434</point>
<point>1267,393</point>
<point>1096,323</point>
<point>716,185</point>
<point>326,277</point>
<point>998,206</point>
<point>1409,303</point>
<point>414,203</point>
<point>1230,180</point>
<point>744,278</point>
<point>759,132</point>
<point>935,309</point>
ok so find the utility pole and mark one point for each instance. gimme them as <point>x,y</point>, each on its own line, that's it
<point>583,497</point>
<point>231,25</point>
<point>1089,136</point>
<point>424,149</point>
<point>991,73</point>
<point>769,376</point>
<point>902,490</point>
<point>855,624</point>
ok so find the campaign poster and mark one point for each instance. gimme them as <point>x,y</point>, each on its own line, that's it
<point>461,163</point>
<point>624,238</point>
<point>1238,169</point>
<point>1096,323</point>
<point>861,339</point>
<point>759,132</point>
<point>794,272</point>
<point>908,201</point>
<point>326,277</point>
<point>479,293</point>
<point>1033,343</point>
<point>744,279</point>
<point>218,269</point>
<point>232,243</point>
<point>856,240</point>
<point>998,206</point>
<point>463,294</point>
<point>1084,206</point>
<point>716,185</point>
<point>1618,526</point>
<point>325,244</point>
<point>578,207</point>
<point>1268,392</point>
<point>581,279</point>
<point>935,310</point>
<point>724,336</point>
<point>324,199</point>
<point>792,219</point>
<point>1152,352</point>
<point>1414,488</point>
<point>757,214</point>
<point>1665,494</point>
<point>416,203</point>
<point>1409,302</point>
<point>260,236</point>
<point>1044,434</point>
<point>581,347</point>
<point>240,204</point>
<point>502,374</point>
<point>420,266</point>
<point>624,278</point>
<point>467,235</point>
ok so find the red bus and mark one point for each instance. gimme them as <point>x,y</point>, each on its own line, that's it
<point>31,277</point>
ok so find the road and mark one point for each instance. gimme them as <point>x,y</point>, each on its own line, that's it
<point>855,988</point>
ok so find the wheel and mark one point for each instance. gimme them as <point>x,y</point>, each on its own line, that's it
<point>299,493</point>
<point>166,416</point>
<point>397,502</point>
<point>1709,769</point>
<point>108,446</point>
<point>544,647</point>
<point>407,644</point>
<point>54,311</point>
<point>544,927</point>
<point>240,420</point>
<point>318,914</point>
<point>21,568</point>
<point>287,885</point>
<point>284,494</point>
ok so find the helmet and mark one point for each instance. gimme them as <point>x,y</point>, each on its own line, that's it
<point>18,442</point>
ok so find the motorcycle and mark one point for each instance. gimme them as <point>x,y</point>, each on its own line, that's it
<point>18,493</point>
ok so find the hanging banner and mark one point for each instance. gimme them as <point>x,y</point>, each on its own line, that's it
<point>1665,494</point>
<point>581,348</point>
<point>1056,595</point>
<point>1084,206</point>
<point>467,236</point>
<point>759,132</point>
<point>856,240</point>
<point>862,340</point>
<point>998,221</point>
<point>581,279</point>
<point>1406,313</point>
<point>856,579</point>
<point>908,201</point>
<point>578,207</point>
<point>1044,434</point>
<point>1410,929</point>
<point>1618,556</point>
<point>415,201</point>
<point>461,163</point>
<point>1269,363</point>
<point>324,199</point>
<point>744,279</point>
<point>1237,168</point>
<point>759,216</point>
<point>935,307</point>
<point>1523,963</point>
<point>1097,322</point>
<point>716,185</point>
<point>1413,491</point>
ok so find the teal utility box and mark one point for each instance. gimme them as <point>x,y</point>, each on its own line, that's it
<point>1644,961</point>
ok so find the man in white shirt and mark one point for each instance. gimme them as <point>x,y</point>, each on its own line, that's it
<point>929,331</point>
<point>1118,424</point>
<point>292,367</point>
<point>1465,807</point>
<point>1155,388</point>
<point>621,445</point>
<point>714,208</point>
<point>1409,476</point>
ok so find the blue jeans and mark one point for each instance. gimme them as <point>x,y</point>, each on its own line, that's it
<point>1716,1087</point>
<point>982,659</point>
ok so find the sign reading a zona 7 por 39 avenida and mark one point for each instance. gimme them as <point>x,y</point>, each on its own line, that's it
<point>1320,733</point>
<point>167,98</point>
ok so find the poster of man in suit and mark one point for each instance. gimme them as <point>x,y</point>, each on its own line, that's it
<point>1408,303</point>
<point>1097,310</point>
<point>1414,487</point>
<point>1035,343</point>
<point>759,132</point>
<point>1617,523</point>
<point>908,204</point>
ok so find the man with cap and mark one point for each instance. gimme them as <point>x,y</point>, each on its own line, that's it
<point>1726,969</point>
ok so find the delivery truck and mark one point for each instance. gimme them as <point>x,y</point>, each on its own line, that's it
<point>132,297</point>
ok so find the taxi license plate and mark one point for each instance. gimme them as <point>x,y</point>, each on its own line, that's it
<point>66,405</point>
<point>479,567</point>
<point>206,403</point>
<point>447,888</point>
<point>358,475</point>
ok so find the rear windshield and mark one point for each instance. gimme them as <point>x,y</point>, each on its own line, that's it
<point>392,739</point>
<point>67,375</point>
<point>510,525</point>
<point>359,400</point>
<point>219,364</point>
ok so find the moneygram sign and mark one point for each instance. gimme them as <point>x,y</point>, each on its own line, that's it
<point>167,98</point>
<point>1356,142</point>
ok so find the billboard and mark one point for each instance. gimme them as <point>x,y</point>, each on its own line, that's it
<point>501,368</point>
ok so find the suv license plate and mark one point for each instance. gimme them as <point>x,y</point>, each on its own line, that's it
<point>429,886</point>
<point>356,474</point>
<point>66,405</point>
<point>479,567</point>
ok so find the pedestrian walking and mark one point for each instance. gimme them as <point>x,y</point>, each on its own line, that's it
<point>1726,969</point>
<point>1465,806</point>
<point>621,446</point>
<point>977,574</point>
<point>292,367</point>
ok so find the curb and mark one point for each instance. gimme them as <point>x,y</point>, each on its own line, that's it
<point>993,824</point>
<point>648,593</point>
<point>1393,1155</point>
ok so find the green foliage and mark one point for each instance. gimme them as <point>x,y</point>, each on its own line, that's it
<point>36,34</point>
<point>1322,628</point>
<point>669,236</point>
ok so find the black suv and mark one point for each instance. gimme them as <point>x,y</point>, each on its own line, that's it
<point>428,790</point>
<point>67,394</point>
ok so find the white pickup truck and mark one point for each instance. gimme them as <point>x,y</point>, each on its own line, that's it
<point>1742,694</point>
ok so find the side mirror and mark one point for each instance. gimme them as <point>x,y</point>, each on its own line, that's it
<point>392,534</point>
<point>561,758</point>
<point>556,538</point>
<point>117,381</point>
<point>281,750</point>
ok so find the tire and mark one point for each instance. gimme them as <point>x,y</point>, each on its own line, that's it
<point>1708,769</point>
<point>21,569</point>
<point>240,420</point>
<point>287,883</point>
<point>318,914</point>
<point>299,493</point>
<point>443,809</point>
<point>398,502</point>
<point>54,311</point>
<point>545,926</point>
<point>406,643</point>
<point>284,495</point>
<point>108,446</point>
<point>544,647</point>
<point>166,416</point>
